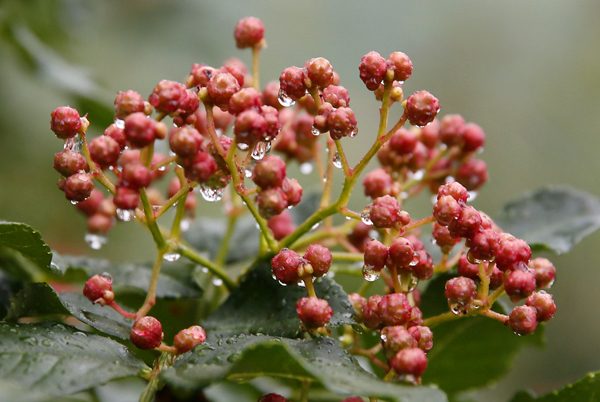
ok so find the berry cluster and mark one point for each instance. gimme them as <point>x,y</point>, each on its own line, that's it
<point>224,128</point>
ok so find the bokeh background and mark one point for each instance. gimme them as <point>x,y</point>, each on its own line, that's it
<point>527,72</point>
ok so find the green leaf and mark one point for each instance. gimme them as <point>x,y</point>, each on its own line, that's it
<point>320,361</point>
<point>40,299</point>
<point>261,305</point>
<point>551,217</point>
<point>128,276</point>
<point>27,241</point>
<point>14,392</point>
<point>58,359</point>
<point>469,352</point>
<point>586,389</point>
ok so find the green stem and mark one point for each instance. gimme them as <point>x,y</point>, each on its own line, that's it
<point>349,257</point>
<point>310,288</point>
<point>176,227</point>
<point>154,384</point>
<point>216,270</point>
<point>151,222</point>
<point>342,154</point>
<point>440,319</point>
<point>231,221</point>
<point>304,392</point>
<point>389,375</point>
<point>151,295</point>
<point>419,223</point>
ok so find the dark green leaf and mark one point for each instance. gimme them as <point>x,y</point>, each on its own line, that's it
<point>96,109</point>
<point>27,241</point>
<point>40,299</point>
<point>8,288</point>
<point>310,204</point>
<point>132,276</point>
<point>261,305</point>
<point>585,390</point>
<point>59,359</point>
<point>469,352</point>
<point>14,392</point>
<point>552,217</point>
<point>320,361</point>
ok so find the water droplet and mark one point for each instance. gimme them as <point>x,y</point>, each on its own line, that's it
<point>365,216</point>
<point>95,241</point>
<point>412,283</point>
<point>185,224</point>
<point>358,328</point>
<point>46,342</point>
<point>404,195</point>
<point>217,281</point>
<point>77,144</point>
<point>234,357</point>
<point>204,270</point>
<point>337,160</point>
<point>125,215</point>
<point>211,194</point>
<point>261,149</point>
<point>171,257</point>
<point>248,173</point>
<point>353,132</point>
<point>285,100</point>
<point>120,123</point>
<point>315,226</point>
<point>315,131</point>
<point>472,195</point>
<point>107,276</point>
<point>74,202</point>
<point>306,168</point>
<point>458,308</point>
<point>370,274</point>
<point>54,267</point>
<point>302,284</point>
<point>242,147</point>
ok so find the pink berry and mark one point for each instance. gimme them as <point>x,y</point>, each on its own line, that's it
<point>371,316</point>
<point>422,107</point>
<point>473,174</point>
<point>523,320</point>
<point>146,333</point>
<point>446,210</point>
<point>423,269</point>
<point>128,102</point>
<point>455,190</point>
<point>519,284</point>
<point>117,134</point>
<point>185,141</point>
<point>285,266</point>
<point>372,69</point>
<point>452,129</point>
<point>92,205</point>
<point>423,336</point>
<point>248,32</point>
<point>442,238</point>
<point>545,272</point>
<point>135,176</point>
<point>65,122</point>
<point>543,304</point>
<point>401,65</point>
<point>483,244</point>
<point>245,98</point>
<point>249,128</point>
<point>337,96</point>
<point>403,141</point>
<point>271,201</point>
<point>200,75</point>
<point>78,187</point>
<point>511,251</point>
<point>319,72</point>
<point>68,162</point>
<point>100,223</point>
<point>98,289</point>
<point>319,258</point>
<point>357,302</point>
<point>186,339</point>
<point>140,130</point>
<point>269,172</point>
<point>473,137</point>
<point>167,96</point>
<point>394,309</point>
<point>221,88</point>
<point>401,252</point>
<point>342,123</point>
<point>201,168</point>
<point>281,225</point>
<point>466,269</point>
<point>385,212</point>
<point>410,361</point>
<point>430,134</point>
<point>467,223</point>
<point>313,312</point>
<point>126,198</point>
<point>270,95</point>
<point>272,398</point>
<point>396,337</point>
<point>378,183</point>
<point>105,151</point>
<point>291,83</point>
<point>376,254</point>
<point>293,191</point>
<point>460,290</point>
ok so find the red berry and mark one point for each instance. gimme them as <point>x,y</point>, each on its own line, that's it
<point>135,176</point>
<point>385,212</point>
<point>401,65</point>
<point>128,102</point>
<point>466,269</point>
<point>313,312</point>
<point>291,83</point>
<point>483,244</point>
<point>285,266</point>
<point>396,337</point>
<point>167,96</point>
<point>319,258</point>
<point>452,129</point>
<point>430,134</point>
<point>519,284</point>
<point>466,224</point>
<point>359,236</point>
<point>245,98</point>
<point>378,183</point>
<point>271,116</point>
<point>281,225</point>
<point>409,361</point>
<point>376,254</point>
<point>422,107</point>
<point>337,96</point>
<point>272,398</point>
<point>394,309</point>
<point>357,302</point>
<point>250,127</point>
<point>270,95</point>
<point>186,339</point>
<point>271,202</point>
<point>98,289</point>
<point>140,130</point>
<point>146,333</point>
<point>522,320</point>
<point>92,205</point>
<point>543,304</point>
<point>68,162</point>
<point>105,151</point>
<point>442,238</point>
<point>511,251</point>
<point>117,134</point>
<point>545,272</point>
<point>269,172</point>
<point>455,190</point>
<point>201,168</point>
<point>371,315</point>
<point>401,252</point>
<point>423,269</point>
<point>319,72</point>
<point>423,336</point>
<point>403,141</point>
<point>446,210</point>
<point>126,198</point>
<point>200,75</point>
<point>460,290</point>
<point>473,137</point>
<point>372,69</point>
<point>185,141</point>
<point>342,123</point>
<point>293,191</point>
<point>221,88</point>
<point>473,174</point>
<point>78,187</point>
<point>248,32</point>
<point>65,122</point>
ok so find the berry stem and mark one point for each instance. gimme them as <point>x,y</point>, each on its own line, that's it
<point>328,175</point>
<point>419,223</point>
<point>222,254</point>
<point>216,270</point>
<point>496,316</point>
<point>484,286</point>
<point>151,295</point>
<point>304,391</point>
<point>176,226</point>
<point>342,154</point>
<point>94,169</point>
<point>151,222</point>
<point>440,319</point>
<point>255,63</point>
<point>394,275</point>
<point>120,310</point>
<point>496,295</point>
<point>163,361</point>
<point>310,288</point>
<point>389,375</point>
<point>166,349</point>
<point>178,196</point>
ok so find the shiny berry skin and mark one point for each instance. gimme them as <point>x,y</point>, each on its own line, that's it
<point>291,83</point>
<point>117,134</point>
<point>285,266</point>
<point>401,65</point>
<point>483,244</point>
<point>446,210</point>
<point>293,191</point>
<point>248,32</point>
<point>522,320</point>
<point>466,269</point>
<point>269,172</point>
<point>146,333</point>
<point>68,162</point>
<point>401,252</point>
<point>167,96</point>
<point>319,72</point>
<point>314,312</point>
<point>423,269</point>
<point>376,254</point>
<point>272,398</point>
<point>105,151</point>
<point>467,224</point>
<point>511,251</point>
<point>186,339</point>
<point>126,198</point>
<point>98,289</point>
<point>221,88</point>
<point>452,128</point>
<point>281,225</point>
<point>249,127</point>
<point>271,202</point>
<point>65,122</point>
<point>396,337</point>
<point>545,272</point>
<point>78,187</point>
<point>519,284</point>
<point>140,130</point>
<point>460,290</point>
<point>543,304</point>
<point>371,316</point>
<point>422,107</point>
<point>342,123</point>
<point>394,309</point>
<point>320,258</point>
<point>185,141</point>
<point>128,102</point>
<point>410,361</point>
<point>200,75</point>
<point>372,69</point>
<point>423,336</point>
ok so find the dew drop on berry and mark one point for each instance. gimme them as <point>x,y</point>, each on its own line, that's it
<point>185,224</point>
<point>365,216</point>
<point>458,308</point>
<point>261,149</point>
<point>74,202</point>
<point>412,283</point>
<point>471,195</point>
<point>306,168</point>
<point>315,131</point>
<point>125,215</point>
<point>95,241</point>
<point>285,100</point>
<point>78,144</point>
<point>217,281</point>
<point>369,273</point>
<point>171,257</point>
<point>242,147</point>
<point>120,123</point>
<point>211,194</point>
<point>204,270</point>
<point>337,161</point>
<point>353,132</point>
<point>404,195</point>
<point>107,276</point>
<point>248,173</point>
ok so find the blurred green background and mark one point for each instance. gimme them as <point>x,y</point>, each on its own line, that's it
<point>527,72</point>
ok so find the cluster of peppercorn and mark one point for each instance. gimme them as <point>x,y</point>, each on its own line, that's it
<point>439,155</point>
